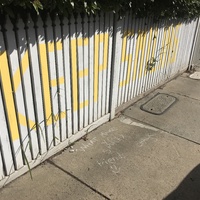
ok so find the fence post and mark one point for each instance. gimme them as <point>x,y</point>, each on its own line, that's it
<point>115,64</point>
<point>194,44</point>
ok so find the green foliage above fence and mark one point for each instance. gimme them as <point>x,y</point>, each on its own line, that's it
<point>169,9</point>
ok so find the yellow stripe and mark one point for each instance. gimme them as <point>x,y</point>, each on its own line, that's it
<point>83,73</point>
<point>172,36</point>
<point>96,65</point>
<point>61,115</point>
<point>176,41</point>
<point>25,63</point>
<point>80,41</point>
<point>51,46</point>
<point>105,57</point>
<point>17,76</point>
<point>59,45</point>
<point>124,49</point>
<point>125,82</point>
<point>74,75</point>
<point>122,83</point>
<point>129,69</point>
<point>162,51</point>
<point>166,46</point>
<point>84,104</point>
<point>45,81</point>
<point>136,56</point>
<point>10,106</point>
<point>124,56</point>
<point>23,122</point>
<point>154,49</point>
<point>58,81</point>
<point>149,46</point>
<point>143,52</point>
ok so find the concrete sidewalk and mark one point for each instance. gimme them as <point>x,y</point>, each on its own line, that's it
<point>137,156</point>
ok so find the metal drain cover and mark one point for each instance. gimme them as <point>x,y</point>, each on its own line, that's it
<point>158,104</point>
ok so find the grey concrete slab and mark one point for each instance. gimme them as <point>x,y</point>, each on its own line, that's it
<point>49,183</point>
<point>181,119</point>
<point>126,159</point>
<point>184,86</point>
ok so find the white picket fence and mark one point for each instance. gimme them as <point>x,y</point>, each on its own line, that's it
<point>62,77</point>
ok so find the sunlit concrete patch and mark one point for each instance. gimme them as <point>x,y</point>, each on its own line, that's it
<point>129,121</point>
<point>195,75</point>
<point>159,104</point>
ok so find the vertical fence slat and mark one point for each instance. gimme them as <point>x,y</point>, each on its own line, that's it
<point>53,118</point>
<point>81,86</point>
<point>190,42</point>
<point>100,65</point>
<point>44,125</point>
<point>74,73</point>
<point>5,144</point>
<point>37,83</point>
<point>91,68</point>
<point>62,110</point>
<point>30,141</point>
<point>160,52</point>
<point>153,58</point>
<point>1,165</point>
<point>96,66</point>
<point>138,56</point>
<point>10,80</point>
<point>115,67</point>
<point>130,58</point>
<point>146,47</point>
<point>109,30</point>
<point>67,74</point>
<point>134,39</point>
<point>86,69</point>
<point>125,60</point>
<point>175,57</point>
<point>122,57</point>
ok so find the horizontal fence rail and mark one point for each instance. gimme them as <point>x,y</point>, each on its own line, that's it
<point>63,77</point>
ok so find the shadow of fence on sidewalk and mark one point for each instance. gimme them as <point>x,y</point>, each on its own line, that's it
<point>189,188</point>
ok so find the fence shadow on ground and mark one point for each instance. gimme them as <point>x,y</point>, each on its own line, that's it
<point>189,188</point>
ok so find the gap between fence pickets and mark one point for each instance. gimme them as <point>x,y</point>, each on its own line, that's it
<point>55,150</point>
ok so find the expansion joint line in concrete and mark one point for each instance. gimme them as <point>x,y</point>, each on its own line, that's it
<point>77,179</point>
<point>163,130</point>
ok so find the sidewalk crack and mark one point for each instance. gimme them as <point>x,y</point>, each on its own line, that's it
<point>77,179</point>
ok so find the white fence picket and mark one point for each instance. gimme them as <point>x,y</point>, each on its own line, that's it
<point>67,74</point>
<point>91,68</point>
<point>5,140</point>
<point>86,70</point>
<point>20,132</point>
<point>39,125</point>
<point>61,115</point>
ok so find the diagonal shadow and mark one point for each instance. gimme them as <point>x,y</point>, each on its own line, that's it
<point>189,188</point>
